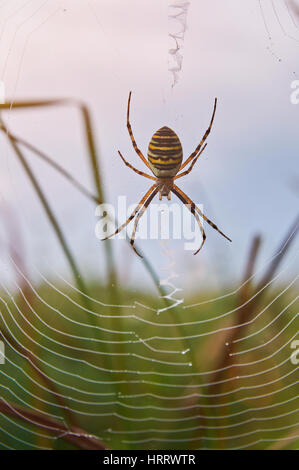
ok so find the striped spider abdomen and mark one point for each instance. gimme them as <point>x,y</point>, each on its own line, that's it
<point>165,153</point>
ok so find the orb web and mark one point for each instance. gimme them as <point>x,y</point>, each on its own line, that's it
<point>217,371</point>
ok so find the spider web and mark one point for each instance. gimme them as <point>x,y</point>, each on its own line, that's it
<point>141,375</point>
<point>178,25</point>
<point>177,409</point>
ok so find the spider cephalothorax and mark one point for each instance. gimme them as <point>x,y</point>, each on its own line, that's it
<point>165,186</point>
<point>165,156</point>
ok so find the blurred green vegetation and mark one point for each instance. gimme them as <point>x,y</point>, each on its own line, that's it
<point>93,384</point>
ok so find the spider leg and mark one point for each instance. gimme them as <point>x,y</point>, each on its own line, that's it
<point>138,217</point>
<point>137,208</point>
<point>202,140</point>
<point>193,211</point>
<point>135,169</point>
<point>139,153</point>
<point>199,211</point>
<point>192,164</point>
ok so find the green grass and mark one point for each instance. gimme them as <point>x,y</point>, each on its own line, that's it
<point>87,372</point>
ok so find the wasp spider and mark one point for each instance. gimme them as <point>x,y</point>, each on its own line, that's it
<point>165,156</point>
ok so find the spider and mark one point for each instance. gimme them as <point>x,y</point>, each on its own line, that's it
<point>165,156</point>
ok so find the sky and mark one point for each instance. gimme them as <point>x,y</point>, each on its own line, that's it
<point>243,53</point>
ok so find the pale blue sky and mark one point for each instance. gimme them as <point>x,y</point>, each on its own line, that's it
<point>97,51</point>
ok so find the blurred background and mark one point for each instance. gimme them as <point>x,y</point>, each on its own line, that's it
<point>95,52</point>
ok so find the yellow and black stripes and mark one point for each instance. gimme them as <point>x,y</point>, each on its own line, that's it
<point>165,153</point>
